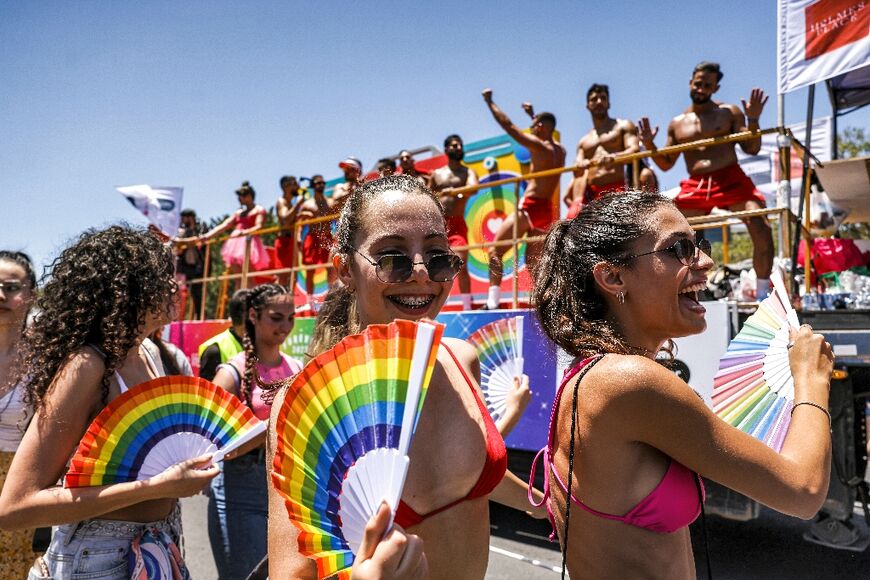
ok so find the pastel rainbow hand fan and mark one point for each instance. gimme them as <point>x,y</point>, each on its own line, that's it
<point>754,388</point>
<point>156,425</point>
<point>343,434</point>
<point>500,349</point>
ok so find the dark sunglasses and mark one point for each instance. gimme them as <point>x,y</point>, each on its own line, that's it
<point>395,268</point>
<point>684,249</point>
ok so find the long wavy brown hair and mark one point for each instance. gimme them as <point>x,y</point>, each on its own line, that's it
<point>98,293</point>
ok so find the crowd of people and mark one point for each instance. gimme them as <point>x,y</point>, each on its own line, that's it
<point>628,441</point>
<point>715,181</point>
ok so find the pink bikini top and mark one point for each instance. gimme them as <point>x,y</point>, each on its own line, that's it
<point>674,503</point>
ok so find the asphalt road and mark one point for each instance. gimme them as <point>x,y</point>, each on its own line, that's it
<point>768,547</point>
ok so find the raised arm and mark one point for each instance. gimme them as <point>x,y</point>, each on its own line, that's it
<point>753,109</point>
<point>669,417</point>
<point>31,496</point>
<point>525,139</point>
<point>647,134</point>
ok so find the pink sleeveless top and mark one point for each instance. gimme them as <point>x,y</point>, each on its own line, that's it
<point>673,504</point>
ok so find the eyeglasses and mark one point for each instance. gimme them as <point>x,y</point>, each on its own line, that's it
<point>395,268</point>
<point>684,249</point>
<point>11,287</point>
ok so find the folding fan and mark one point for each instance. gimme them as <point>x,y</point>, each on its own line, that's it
<point>343,434</point>
<point>754,389</point>
<point>157,424</point>
<point>500,349</point>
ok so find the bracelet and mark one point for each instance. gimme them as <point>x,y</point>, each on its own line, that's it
<point>816,405</point>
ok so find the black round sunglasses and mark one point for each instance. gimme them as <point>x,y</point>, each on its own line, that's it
<point>395,268</point>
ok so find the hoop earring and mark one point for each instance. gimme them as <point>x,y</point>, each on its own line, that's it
<point>621,297</point>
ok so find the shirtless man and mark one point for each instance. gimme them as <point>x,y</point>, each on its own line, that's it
<point>715,178</point>
<point>608,138</point>
<point>353,170</point>
<point>539,206</point>
<point>318,241</point>
<point>444,181</point>
<point>408,167</point>
<point>287,208</point>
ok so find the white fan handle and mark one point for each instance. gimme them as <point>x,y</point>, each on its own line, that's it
<point>520,337</point>
<point>419,362</point>
<point>256,430</point>
<point>779,287</point>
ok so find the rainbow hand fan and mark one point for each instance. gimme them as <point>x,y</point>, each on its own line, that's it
<point>343,434</point>
<point>500,349</point>
<point>157,424</point>
<point>754,388</point>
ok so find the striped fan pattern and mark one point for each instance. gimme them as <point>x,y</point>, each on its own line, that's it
<point>156,425</point>
<point>343,433</point>
<point>754,389</point>
<point>499,347</point>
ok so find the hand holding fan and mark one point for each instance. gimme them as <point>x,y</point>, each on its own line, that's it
<point>500,349</point>
<point>156,425</point>
<point>754,388</point>
<point>343,434</point>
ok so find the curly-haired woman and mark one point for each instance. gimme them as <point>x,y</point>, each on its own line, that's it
<point>238,504</point>
<point>628,439</point>
<point>17,289</point>
<point>107,292</point>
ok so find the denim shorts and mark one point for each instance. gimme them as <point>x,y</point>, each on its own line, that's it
<point>96,549</point>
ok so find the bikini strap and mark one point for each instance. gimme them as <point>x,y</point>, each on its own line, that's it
<point>580,368</point>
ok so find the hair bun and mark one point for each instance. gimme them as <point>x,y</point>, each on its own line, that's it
<point>246,184</point>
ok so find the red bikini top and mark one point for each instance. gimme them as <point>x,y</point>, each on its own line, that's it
<point>493,468</point>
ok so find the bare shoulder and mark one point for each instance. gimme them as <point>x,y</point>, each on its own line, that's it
<point>87,362</point>
<point>466,353</point>
<point>626,375</point>
<point>626,125</point>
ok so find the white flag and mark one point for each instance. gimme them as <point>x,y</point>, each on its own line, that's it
<point>819,39</point>
<point>161,205</point>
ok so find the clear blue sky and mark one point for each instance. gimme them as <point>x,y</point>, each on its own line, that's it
<point>203,95</point>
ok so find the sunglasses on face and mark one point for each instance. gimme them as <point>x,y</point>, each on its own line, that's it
<point>395,268</point>
<point>684,249</point>
<point>11,287</point>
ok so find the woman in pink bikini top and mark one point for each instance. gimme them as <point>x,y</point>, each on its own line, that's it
<point>628,440</point>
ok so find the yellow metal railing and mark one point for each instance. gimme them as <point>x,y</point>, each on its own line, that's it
<point>722,221</point>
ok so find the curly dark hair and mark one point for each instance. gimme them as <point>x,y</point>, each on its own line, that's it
<point>98,293</point>
<point>257,299</point>
<point>572,311</point>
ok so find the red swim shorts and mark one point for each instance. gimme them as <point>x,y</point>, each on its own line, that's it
<point>721,188</point>
<point>540,211</point>
<point>592,193</point>
<point>457,231</point>
<point>284,251</point>
<point>315,248</point>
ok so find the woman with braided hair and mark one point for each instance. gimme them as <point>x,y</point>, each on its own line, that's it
<point>238,506</point>
<point>106,293</point>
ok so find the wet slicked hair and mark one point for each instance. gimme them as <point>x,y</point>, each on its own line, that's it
<point>572,311</point>
<point>338,317</point>
<point>709,67</point>
<point>597,88</point>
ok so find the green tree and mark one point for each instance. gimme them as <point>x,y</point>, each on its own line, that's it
<point>852,142</point>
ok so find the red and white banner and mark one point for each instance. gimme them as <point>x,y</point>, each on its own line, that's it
<point>819,39</point>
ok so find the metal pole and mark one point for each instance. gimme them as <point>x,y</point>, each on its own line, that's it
<point>246,263</point>
<point>811,94</point>
<point>206,268</point>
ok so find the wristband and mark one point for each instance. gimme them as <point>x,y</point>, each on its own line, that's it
<point>816,405</point>
<point>751,120</point>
